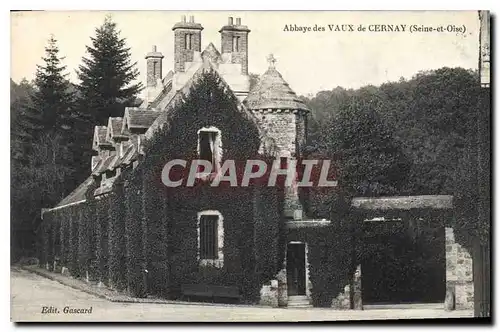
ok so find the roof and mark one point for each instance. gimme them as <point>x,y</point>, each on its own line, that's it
<point>101,133</point>
<point>99,139</point>
<point>273,92</point>
<point>78,194</point>
<point>187,25</point>
<point>153,120</point>
<point>268,144</point>
<point>116,125</point>
<point>403,202</point>
<point>212,54</point>
<point>138,118</point>
<point>167,89</point>
<point>104,164</point>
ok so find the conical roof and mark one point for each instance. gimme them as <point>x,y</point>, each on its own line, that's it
<point>272,91</point>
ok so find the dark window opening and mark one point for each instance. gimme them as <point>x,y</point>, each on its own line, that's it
<point>208,237</point>
<point>283,162</point>
<point>207,146</point>
<point>110,174</point>
<point>187,41</point>
<point>236,44</point>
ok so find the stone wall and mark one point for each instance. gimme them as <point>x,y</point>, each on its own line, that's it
<point>280,125</point>
<point>181,54</point>
<point>240,57</point>
<point>269,294</point>
<point>301,134</point>
<point>343,300</point>
<point>282,287</point>
<point>153,71</point>
<point>459,281</point>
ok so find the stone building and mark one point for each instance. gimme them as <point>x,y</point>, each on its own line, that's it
<point>121,228</point>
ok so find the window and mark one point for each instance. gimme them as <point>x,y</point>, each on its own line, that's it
<point>236,44</point>
<point>210,146</point>
<point>187,41</point>
<point>210,238</point>
<point>283,162</point>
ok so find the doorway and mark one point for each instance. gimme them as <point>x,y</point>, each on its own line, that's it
<point>296,269</point>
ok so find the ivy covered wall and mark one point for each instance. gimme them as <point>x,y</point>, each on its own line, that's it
<point>330,257</point>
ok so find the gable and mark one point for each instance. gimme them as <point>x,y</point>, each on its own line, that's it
<point>163,121</point>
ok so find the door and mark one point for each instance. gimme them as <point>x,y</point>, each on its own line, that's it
<point>296,269</point>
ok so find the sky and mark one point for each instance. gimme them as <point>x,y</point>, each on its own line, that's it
<point>309,61</point>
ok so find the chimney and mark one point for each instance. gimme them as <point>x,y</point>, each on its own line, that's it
<point>154,61</point>
<point>187,41</point>
<point>234,40</point>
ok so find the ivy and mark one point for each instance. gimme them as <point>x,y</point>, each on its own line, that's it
<point>73,220</point>
<point>84,238</point>
<point>133,235</point>
<point>143,236</point>
<point>116,229</point>
<point>330,258</point>
<point>102,237</point>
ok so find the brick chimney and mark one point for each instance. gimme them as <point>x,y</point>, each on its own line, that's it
<point>234,40</point>
<point>187,40</point>
<point>154,61</point>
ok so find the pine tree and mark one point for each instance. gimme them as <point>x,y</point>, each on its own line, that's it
<point>106,86</point>
<point>52,102</point>
<point>41,143</point>
<point>106,76</point>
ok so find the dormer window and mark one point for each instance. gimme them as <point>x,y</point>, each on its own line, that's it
<point>210,146</point>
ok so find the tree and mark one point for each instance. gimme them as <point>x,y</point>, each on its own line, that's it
<point>20,102</point>
<point>52,100</point>
<point>370,162</point>
<point>42,119</point>
<point>106,87</point>
<point>106,76</point>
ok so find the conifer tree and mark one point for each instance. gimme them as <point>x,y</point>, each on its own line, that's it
<point>106,86</point>
<point>107,76</point>
<point>41,144</point>
<point>52,100</point>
